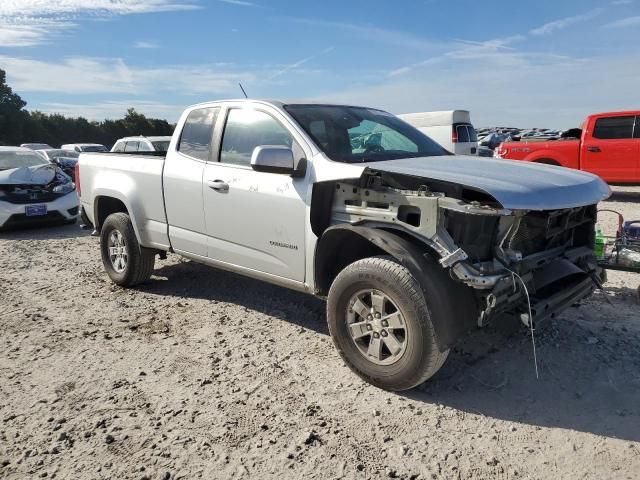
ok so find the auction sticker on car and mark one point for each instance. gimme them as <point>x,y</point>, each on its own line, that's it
<point>35,210</point>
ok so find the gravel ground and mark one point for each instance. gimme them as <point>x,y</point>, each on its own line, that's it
<point>206,374</point>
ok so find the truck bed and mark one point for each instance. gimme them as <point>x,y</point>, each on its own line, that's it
<point>139,178</point>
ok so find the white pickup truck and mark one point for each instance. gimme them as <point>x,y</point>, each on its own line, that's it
<point>411,246</point>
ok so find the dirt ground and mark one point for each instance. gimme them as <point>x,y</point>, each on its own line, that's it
<point>206,374</point>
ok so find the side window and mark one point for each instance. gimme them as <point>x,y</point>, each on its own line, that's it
<point>636,131</point>
<point>247,129</point>
<point>614,128</point>
<point>144,147</point>
<point>195,140</point>
<point>473,136</point>
<point>119,147</point>
<point>131,147</point>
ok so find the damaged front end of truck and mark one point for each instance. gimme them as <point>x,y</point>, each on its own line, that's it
<point>528,262</point>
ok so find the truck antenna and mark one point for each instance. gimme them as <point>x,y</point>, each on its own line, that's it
<point>242,88</point>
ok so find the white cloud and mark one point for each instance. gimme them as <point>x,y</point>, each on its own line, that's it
<point>552,94</point>
<point>468,50</point>
<point>32,22</point>
<point>114,109</point>
<point>242,3</point>
<point>625,22</point>
<point>84,75</point>
<point>371,32</point>
<point>299,63</point>
<point>563,23</point>
<point>145,45</point>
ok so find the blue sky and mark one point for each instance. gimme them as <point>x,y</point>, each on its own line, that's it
<point>548,63</point>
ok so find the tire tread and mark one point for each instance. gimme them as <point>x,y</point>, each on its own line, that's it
<point>390,267</point>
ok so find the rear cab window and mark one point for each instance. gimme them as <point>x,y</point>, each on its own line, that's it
<point>145,147</point>
<point>614,128</point>
<point>195,139</point>
<point>131,146</point>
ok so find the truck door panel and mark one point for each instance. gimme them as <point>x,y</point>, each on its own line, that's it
<point>254,219</point>
<point>636,138</point>
<point>609,150</point>
<point>183,183</point>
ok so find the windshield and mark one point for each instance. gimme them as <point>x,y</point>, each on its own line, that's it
<point>94,148</point>
<point>161,146</point>
<point>62,153</point>
<point>9,160</point>
<point>355,134</point>
<point>36,146</point>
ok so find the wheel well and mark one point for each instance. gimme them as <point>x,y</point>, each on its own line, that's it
<point>337,249</point>
<point>105,206</point>
<point>547,161</point>
<point>340,247</point>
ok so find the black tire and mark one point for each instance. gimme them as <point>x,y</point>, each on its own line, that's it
<point>421,358</point>
<point>84,218</point>
<point>139,262</point>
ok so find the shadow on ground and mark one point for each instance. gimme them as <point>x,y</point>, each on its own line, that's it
<point>188,279</point>
<point>44,232</point>
<point>589,373</point>
<point>625,196</point>
<point>589,367</point>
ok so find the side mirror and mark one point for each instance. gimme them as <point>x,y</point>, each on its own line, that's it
<point>272,159</point>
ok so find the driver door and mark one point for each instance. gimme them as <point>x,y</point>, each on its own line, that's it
<point>254,220</point>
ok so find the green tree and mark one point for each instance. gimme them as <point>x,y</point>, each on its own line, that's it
<point>12,113</point>
<point>17,125</point>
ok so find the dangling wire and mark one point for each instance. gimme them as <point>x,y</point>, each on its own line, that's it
<point>514,275</point>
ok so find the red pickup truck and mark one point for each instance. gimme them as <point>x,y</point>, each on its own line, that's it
<point>609,146</point>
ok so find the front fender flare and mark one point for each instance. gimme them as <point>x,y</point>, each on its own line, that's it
<point>452,315</point>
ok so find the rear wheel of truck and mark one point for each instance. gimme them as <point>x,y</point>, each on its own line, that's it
<point>127,263</point>
<point>381,324</point>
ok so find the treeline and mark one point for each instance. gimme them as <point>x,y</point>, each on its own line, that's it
<point>18,125</point>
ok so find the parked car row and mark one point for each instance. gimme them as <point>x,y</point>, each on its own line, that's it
<point>608,144</point>
<point>66,156</point>
<point>34,190</point>
<point>37,181</point>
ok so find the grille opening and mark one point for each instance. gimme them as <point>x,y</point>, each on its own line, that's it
<point>560,285</point>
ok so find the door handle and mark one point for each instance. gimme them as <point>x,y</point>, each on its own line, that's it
<point>218,185</point>
<point>594,149</point>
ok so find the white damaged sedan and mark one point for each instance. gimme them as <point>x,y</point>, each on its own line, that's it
<point>34,191</point>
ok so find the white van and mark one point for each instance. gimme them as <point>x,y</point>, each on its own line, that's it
<point>452,129</point>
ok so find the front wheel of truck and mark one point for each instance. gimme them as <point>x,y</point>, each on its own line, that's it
<point>381,324</point>
<point>127,262</point>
